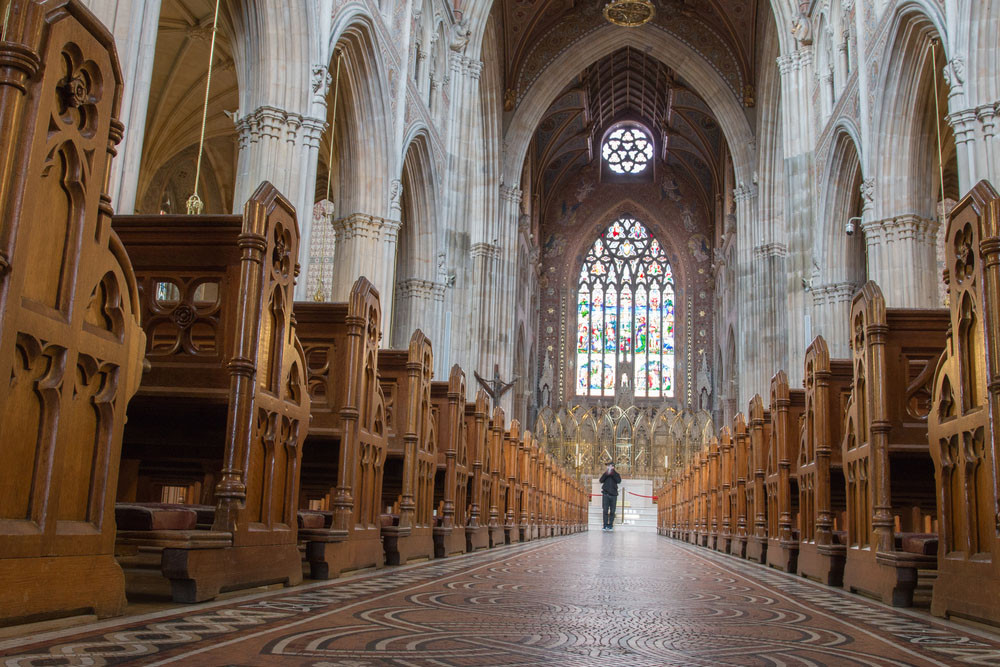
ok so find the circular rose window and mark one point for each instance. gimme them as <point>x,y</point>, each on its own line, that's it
<point>627,150</point>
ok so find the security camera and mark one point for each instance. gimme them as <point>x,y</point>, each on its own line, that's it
<point>852,225</point>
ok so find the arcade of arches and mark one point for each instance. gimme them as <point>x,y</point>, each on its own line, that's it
<point>579,242</point>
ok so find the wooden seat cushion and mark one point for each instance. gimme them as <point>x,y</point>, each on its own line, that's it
<point>154,516</point>
<point>925,544</point>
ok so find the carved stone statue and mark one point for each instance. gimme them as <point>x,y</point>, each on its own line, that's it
<point>625,393</point>
<point>704,383</point>
<point>546,382</point>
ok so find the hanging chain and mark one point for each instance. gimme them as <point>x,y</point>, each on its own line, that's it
<point>318,296</point>
<point>194,203</point>
<point>937,124</point>
<point>333,127</point>
<point>6,20</point>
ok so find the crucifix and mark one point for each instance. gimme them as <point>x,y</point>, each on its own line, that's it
<point>496,387</point>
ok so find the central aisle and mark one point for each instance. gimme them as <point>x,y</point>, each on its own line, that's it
<point>589,599</point>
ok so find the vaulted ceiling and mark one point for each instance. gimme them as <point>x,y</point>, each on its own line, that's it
<point>723,31</point>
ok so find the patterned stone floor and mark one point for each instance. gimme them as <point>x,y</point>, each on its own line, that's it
<point>590,599</point>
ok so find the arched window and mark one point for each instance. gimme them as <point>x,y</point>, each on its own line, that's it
<point>625,315</point>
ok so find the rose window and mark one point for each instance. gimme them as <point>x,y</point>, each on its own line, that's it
<point>627,150</point>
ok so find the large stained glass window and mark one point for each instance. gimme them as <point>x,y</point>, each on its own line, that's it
<point>625,314</point>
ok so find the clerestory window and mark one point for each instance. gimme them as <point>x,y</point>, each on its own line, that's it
<point>627,150</point>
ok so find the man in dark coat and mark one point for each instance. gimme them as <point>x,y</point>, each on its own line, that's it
<point>609,495</point>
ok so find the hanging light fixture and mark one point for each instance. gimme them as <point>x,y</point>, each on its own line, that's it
<point>629,13</point>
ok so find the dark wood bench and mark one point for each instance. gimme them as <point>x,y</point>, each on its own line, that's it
<point>822,499</point>
<point>344,453</point>
<point>963,431</point>
<point>227,385</point>
<point>452,464</point>
<point>69,322</point>
<point>760,434</point>
<point>411,458</point>
<point>480,480</point>
<point>714,493</point>
<point>781,475</point>
<point>889,471</point>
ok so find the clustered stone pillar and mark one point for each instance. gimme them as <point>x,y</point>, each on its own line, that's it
<point>366,246</point>
<point>832,312</point>
<point>135,24</point>
<point>901,254</point>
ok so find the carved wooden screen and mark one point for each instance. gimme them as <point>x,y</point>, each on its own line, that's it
<point>69,336</point>
<point>963,432</point>
<point>257,496</point>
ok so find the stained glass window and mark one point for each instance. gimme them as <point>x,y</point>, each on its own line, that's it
<point>627,150</point>
<point>625,313</point>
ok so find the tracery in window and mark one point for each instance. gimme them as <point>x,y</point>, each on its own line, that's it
<point>625,313</point>
<point>627,150</point>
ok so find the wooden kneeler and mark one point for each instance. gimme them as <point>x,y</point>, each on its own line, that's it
<point>69,333</point>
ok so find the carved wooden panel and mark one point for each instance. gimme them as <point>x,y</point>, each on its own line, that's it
<point>962,428</point>
<point>69,333</point>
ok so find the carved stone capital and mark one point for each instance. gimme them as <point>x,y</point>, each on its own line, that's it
<point>361,226</point>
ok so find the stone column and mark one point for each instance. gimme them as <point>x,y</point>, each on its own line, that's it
<point>831,315</point>
<point>281,147</point>
<point>418,307</point>
<point>902,259</point>
<point>135,24</point>
<point>749,302</point>
<point>366,246</point>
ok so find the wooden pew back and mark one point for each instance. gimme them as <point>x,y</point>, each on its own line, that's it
<point>69,331</point>
<point>962,425</point>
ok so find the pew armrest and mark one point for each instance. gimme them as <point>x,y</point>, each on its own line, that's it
<point>903,559</point>
<point>328,535</point>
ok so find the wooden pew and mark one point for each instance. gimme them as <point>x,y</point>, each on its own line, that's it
<point>741,492</point>
<point>498,497</point>
<point>512,438</point>
<point>524,476</point>
<point>480,481</point>
<point>69,329</point>
<point>963,430</point>
<point>227,384</point>
<point>781,475</point>
<point>727,468</point>
<point>534,465</point>
<point>889,471</point>
<point>344,453</point>
<point>452,476</point>
<point>760,434</point>
<point>822,499</point>
<point>411,458</point>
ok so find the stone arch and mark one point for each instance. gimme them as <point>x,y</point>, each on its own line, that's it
<point>658,44</point>
<point>840,260</point>
<point>418,292</point>
<point>904,152</point>
<point>983,53</point>
<point>363,134</point>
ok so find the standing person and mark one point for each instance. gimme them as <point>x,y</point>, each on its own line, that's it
<point>609,495</point>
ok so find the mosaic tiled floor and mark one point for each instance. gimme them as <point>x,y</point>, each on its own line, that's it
<point>590,599</point>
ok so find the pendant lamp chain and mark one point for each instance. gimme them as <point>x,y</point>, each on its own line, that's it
<point>195,205</point>
<point>937,123</point>
<point>6,20</point>
<point>333,126</point>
